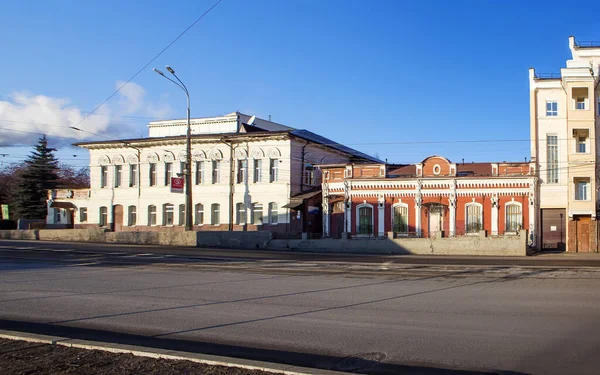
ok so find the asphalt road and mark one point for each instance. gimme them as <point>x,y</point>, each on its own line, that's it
<point>371,315</point>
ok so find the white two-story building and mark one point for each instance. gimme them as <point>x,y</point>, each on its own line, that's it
<point>247,174</point>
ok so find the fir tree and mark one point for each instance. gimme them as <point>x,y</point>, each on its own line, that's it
<point>34,180</point>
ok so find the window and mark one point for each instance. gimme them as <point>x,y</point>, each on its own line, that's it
<point>199,219</point>
<point>199,172</point>
<point>580,97</point>
<point>551,109</point>
<point>103,216</point>
<point>216,175</point>
<point>152,174</point>
<point>580,103</point>
<point>552,154</point>
<point>182,214</point>
<point>273,214</point>
<point>257,214</point>
<point>513,217</point>
<point>168,173</point>
<point>131,215</point>
<point>133,171</point>
<point>57,215</point>
<point>581,190</point>
<point>83,214</point>
<point>581,144</point>
<point>241,214</point>
<point>473,223</point>
<point>214,214</point>
<point>257,170</point>
<point>182,167</point>
<point>152,215</point>
<point>168,214</point>
<point>118,170</point>
<point>103,176</point>
<point>365,220</point>
<point>241,175</point>
<point>400,219</point>
<point>273,170</point>
<point>309,174</point>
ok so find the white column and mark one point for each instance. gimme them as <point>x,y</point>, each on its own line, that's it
<point>495,208</point>
<point>418,217</point>
<point>452,209</point>
<point>381,217</point>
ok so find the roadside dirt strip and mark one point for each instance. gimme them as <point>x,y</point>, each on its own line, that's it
<point>38,354</point>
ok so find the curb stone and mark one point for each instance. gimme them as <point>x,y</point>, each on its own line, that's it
<point>157,353</point>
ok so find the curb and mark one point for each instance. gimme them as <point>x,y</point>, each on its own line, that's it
<point>157,353</point>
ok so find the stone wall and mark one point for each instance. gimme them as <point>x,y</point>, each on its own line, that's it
<point>464,245</point>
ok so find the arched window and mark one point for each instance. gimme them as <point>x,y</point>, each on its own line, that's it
<point>182,214</point>
<point>168,215</point>
<point>364,219</point>
<point>241,213</point>
<point>152,215</point>
<point>103,216</point>
<point>199,214</point>
<point>257,214</point>
<point>513,217</point>
<point>400,218</point>
<point>215,218</point>
<point>273,214</point>
<point>473,218</point>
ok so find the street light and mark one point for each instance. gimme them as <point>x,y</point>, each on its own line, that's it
<point>188,157</point>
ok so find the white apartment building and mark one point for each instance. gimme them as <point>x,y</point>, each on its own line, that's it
<point>247,174</point>
<point>564,115</point>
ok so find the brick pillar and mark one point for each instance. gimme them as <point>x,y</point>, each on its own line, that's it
<point>572,236</point>
<point>593,235</point>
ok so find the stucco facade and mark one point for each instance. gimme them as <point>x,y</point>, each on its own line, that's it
<point>433,198</point>
<point>243,176</point>
<point>563,122</point>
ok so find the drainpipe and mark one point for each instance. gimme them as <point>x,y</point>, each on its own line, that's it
<point>231,176</point>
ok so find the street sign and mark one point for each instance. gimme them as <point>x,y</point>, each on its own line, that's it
<point>177,184</point>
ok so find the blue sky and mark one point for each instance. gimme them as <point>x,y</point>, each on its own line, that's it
<point>379,76</point>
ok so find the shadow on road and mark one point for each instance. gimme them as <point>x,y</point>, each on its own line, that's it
<point>327,362</point>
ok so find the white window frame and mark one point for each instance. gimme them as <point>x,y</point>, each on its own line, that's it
<point>152,215</point>
<point>199,172</point>
<point>273,219</point>
<point>83,215</point>
<point>273,169</point>
<point>168,172</point>
<point>240,209</point>
<point>549,111</point>
<point>166,209</point>
<point>520,223</point>
<point>585,181</point>
<point>552,170</point>
<point>242,166</point>
<point>181,214</point>
<point>152,174</point>
<point>118,175</point>
<point>578,102</point>
<point>103,216</point>
<point>404,205</point>
<point>262,213</point>
<point>257,171</point>
<point>131,213</point>
<point>199,214</point>
<point>357,223</point>
<point>133,171</point>
<point>216,172</point>
<point>467,217</point>
<point>215,214</point>
<point>103,176</point>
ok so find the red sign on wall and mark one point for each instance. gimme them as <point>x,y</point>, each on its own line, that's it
<point>177,185</point>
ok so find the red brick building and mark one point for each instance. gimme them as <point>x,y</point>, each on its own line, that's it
<point>433,198</point>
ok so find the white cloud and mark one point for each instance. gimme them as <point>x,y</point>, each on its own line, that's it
<point>24,113</point>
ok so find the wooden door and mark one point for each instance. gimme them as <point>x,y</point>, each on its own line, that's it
<point>118,218</point>
<point>434,224</point>
<point>583,235</point>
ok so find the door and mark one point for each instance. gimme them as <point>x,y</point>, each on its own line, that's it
<point>118,218</point>
<point>583,234</point>
<point>337,220</point>
<point>553,229</point>
<point>434,224</point>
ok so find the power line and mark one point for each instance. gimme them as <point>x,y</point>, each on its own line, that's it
<point>149,62</point>
<point>26,132</point>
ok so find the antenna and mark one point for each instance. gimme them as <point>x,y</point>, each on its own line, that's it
<point>251,121</point>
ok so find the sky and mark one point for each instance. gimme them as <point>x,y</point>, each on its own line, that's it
<point>400,80</point>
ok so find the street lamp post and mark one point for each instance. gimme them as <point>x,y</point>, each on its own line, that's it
<point>188,153</point>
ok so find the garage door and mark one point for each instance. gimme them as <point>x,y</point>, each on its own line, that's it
<point>553,229</point>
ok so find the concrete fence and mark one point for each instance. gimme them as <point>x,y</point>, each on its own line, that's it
<point>515,245</point>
